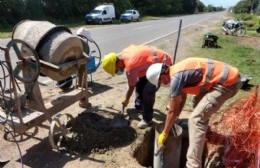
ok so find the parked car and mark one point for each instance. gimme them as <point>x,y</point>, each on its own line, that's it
<point>101,14</point>
<point>130,15</point>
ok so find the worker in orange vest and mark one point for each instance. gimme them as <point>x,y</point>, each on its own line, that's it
<point>135,60</point>
<point>211,82</point>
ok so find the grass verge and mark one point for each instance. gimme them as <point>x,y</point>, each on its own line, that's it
<point>236,51</point>
<point>240,52</point>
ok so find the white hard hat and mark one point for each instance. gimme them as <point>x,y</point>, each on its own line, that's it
<point>153,73</point>
<point>85,33</point>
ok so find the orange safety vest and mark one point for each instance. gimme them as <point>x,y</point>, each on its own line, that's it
<point>142,55</point>
<point>214,72</point>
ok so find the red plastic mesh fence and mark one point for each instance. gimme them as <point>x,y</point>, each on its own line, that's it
<point>239,133</point>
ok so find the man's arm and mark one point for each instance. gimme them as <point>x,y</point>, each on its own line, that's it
<point>183,100</point>
<point>176,105</point>
<point>131,78</point>
<point>129,92</point>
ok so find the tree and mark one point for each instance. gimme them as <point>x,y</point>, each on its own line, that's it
<point>11,11</point>
<point>210,8</point>
<point>83,7</point>
<point>189,6</point>
<point>200,6</point>
<point>59,9</point>
<point>242,6</point>
<point>33,9</point>
<point>246,6</point>
<point>139,5</point>
<point>258,9</point>
<point>121,6</point>
<point>176,6</point>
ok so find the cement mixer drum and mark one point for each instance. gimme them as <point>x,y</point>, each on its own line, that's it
<point>53,44</point>
<point>61,47</point>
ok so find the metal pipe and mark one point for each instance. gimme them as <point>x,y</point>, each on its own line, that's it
<point>174,56</point>
<point>177,43</point>
<point>169,155</point>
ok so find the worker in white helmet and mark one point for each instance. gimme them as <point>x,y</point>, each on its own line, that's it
<point>212,82</point>
<point>135,60</point>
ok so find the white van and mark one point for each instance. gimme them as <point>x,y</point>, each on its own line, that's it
<point>101,14</point>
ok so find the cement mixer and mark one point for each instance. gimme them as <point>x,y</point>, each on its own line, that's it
<point>42,48</point>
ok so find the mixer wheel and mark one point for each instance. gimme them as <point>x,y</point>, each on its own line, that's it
<point>60,129</point>
<point>27,68</point>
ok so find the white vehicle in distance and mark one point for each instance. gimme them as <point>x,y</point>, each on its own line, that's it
<point>130,15</point>
<point>101,14</point>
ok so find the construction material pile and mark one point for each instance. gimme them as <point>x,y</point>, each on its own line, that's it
<point>94,133</point>
<point>237,134</point>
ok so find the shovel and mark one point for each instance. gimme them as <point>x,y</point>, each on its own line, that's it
<point>120,120</point>
<point>122,112</point>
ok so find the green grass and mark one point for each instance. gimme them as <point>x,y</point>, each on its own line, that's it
<point>250,21</point>
<point>6,33</point>
<point>145,18</point>
<point>246,59</point>
<point>253,33</point>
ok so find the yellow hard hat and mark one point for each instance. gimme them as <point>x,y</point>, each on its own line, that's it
<point>109,63</point>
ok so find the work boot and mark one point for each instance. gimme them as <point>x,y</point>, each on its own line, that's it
<point>143,124</point>
<point>138,109</point>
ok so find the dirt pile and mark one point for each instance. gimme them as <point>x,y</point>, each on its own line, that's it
<point>96,133</point>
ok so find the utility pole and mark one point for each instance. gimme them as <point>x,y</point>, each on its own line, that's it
<point>177,43</point>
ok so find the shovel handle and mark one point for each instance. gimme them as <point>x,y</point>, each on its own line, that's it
<point>123,109</point>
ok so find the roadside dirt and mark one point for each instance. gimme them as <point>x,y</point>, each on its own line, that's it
<point>96,140</point>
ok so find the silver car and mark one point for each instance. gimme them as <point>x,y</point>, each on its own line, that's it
<point>130,15</point>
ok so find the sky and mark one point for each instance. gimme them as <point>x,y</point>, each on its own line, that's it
<point>223,3</point>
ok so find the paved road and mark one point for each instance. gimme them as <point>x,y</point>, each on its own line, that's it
<point>117,37</point>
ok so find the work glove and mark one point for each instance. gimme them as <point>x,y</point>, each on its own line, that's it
<point>125,103</point>
<point>161,139</point>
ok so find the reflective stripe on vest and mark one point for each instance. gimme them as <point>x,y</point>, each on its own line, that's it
<point>142,56</point>
<point>214,72</point>
<point>210,70</point>
<point>224,74</point>
<point>223,78</point>
<point>208,75</point>
<point>155,55</point>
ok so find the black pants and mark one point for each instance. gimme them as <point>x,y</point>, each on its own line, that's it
<point>145,98</point>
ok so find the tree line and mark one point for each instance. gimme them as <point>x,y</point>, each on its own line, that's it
<point>247,6</point>
<point>13,11</point>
